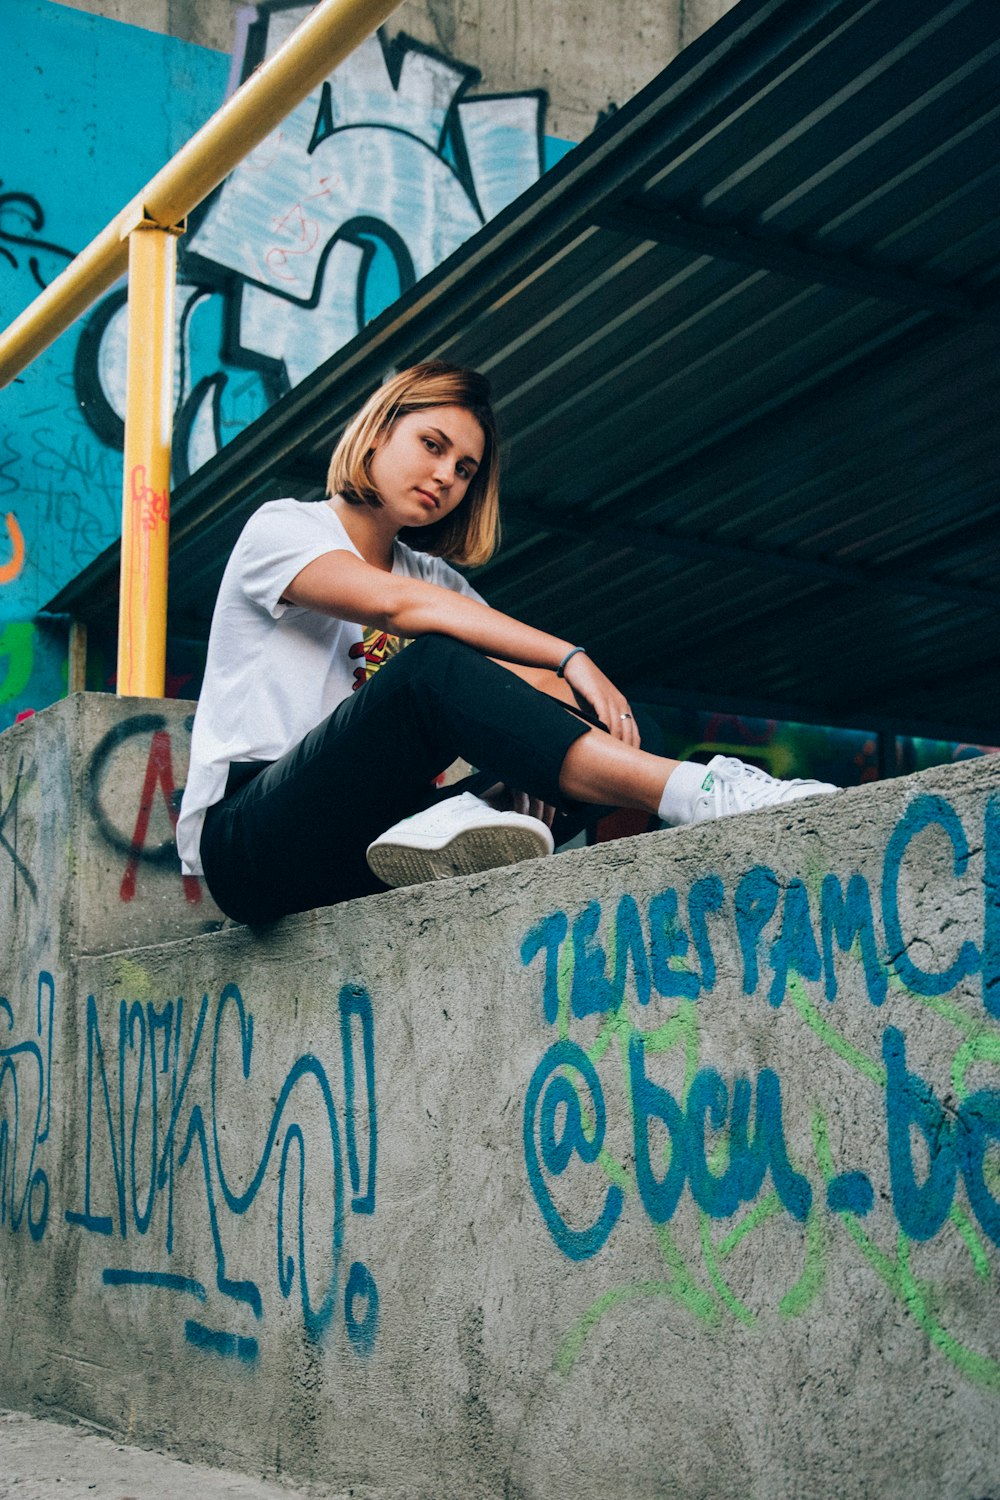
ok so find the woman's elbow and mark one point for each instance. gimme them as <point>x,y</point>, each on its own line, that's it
<point>415,612</point>
<point>403,614</point>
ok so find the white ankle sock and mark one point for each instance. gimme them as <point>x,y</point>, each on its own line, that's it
<point>683,785</point>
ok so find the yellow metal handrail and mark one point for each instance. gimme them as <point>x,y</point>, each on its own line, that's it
<point>323,40</point>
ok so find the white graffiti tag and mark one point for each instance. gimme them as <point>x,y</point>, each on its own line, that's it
<point>371,182</point>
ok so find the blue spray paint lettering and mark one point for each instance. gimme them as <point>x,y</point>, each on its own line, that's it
<point>361,1288</point>
<point>667,941</point>
<point>654,946</point>
<point>754,904</point>
<point>924,812</point>
<point>650,1101</point>
<point>546,937</point>
<point>724,1138</point>
<point>630,947</point>
<point>26,1072</point>
<point>356,1002</point>
<point>749,1158</point>
<point>551,1094</point>
<point>592,991</point>
<point>706,895</point>
<point>795,948</point>
<point>177,1105</point>
<point>847,917</point>
<point>956,1142</point>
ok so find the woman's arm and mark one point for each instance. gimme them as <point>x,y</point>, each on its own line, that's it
<point>543,679</point>
<point>340,584</point>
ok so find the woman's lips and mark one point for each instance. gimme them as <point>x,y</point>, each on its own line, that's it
<point>429,500</point>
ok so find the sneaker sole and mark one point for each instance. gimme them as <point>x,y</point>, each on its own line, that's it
<point>468,852</point>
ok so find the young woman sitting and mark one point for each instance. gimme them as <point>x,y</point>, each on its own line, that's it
<point>349,665</point>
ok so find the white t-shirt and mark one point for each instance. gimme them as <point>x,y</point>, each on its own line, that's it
<point>274,671</point>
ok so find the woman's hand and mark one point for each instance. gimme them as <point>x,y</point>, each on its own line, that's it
<point>533,807</point>
<point>599,693</point>
<point>507,798</point>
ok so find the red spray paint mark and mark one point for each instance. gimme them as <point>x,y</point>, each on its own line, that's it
<point>151,510</point>
<point>159,773</point>
<point>153,505</point>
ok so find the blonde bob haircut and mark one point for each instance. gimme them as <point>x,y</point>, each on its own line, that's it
<point>471,534</point>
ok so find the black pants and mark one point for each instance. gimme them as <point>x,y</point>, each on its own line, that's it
<point>291,834</point>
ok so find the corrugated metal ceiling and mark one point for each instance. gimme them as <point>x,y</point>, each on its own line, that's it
<point>744,342</point>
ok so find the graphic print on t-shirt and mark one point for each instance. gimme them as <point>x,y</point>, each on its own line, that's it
<point>374,649</point>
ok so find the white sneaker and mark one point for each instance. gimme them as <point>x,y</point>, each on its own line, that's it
<point>731,786</point>
<point>458,836</point>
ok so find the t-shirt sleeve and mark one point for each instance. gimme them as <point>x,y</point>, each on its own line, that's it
<point>277,542</point>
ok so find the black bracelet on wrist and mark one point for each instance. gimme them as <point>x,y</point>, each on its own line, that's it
<point>577,650</point>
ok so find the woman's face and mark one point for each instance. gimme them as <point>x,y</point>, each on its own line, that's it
<point>424,466</point>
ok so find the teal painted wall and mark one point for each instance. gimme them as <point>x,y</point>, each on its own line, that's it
<point>92,109</point>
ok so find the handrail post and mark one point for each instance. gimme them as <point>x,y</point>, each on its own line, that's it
<point>142,615</point>
<point>150,224</point>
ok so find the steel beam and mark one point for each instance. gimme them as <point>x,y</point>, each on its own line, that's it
<point>648,540</point>
<point>646,219</point>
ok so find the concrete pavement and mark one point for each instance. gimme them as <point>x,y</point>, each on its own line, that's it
<point>41,1460</point>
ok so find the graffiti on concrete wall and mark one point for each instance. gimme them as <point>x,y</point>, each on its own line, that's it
<point>23,882</point>
<point>635,1119</point>
<point>165,1124</point>
<point>25,1110</point>
<point>136,812</point>
<point>172,1094</point>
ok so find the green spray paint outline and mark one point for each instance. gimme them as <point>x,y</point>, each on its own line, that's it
<point>898,1277</point>
<point>683,1287</point>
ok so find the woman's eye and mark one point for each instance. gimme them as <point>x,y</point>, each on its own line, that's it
<point>462,471</point>
<point>430,445</point>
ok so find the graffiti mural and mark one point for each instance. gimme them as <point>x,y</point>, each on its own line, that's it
<point>382,172</point>
<point>635,1116</point>
<point>371,182</point>
<point>847,757</point>
<point>160,1085</point>
<point>726,1101</point>
<point>60,481</point>
<point>10,800</point>
<point>138,817</point>
<point>25,1110</point>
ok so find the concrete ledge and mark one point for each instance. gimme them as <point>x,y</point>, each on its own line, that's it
<point>663,1168</point>
<point>89,793</point>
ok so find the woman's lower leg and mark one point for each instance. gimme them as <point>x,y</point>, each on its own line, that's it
<point>600,769</point>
